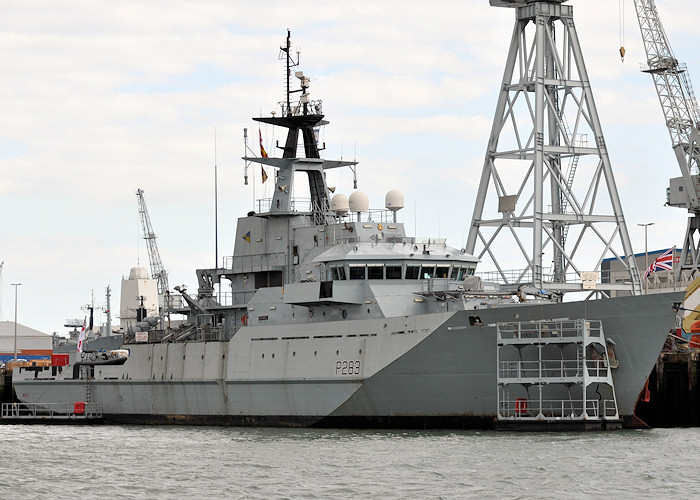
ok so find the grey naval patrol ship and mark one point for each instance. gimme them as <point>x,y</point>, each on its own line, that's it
<point>337,318</point>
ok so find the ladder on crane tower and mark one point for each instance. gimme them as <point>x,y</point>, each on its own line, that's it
<point>574,141</point>
<point>158,272</point>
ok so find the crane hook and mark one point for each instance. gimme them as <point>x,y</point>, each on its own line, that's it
<point>622,53</point>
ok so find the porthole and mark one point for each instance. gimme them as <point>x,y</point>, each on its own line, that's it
<point>360,351</point>
<point>344,314</point>
<point>337,353</point>
<point>367,311</point>
<point>294,353</point>
<point>273,354</point>
<point>263,355</point>
<point>315,353</point>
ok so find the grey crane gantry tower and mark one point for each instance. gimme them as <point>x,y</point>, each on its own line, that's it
<point>547,192</point>
<point>682,116</point>
<point>158,272</point>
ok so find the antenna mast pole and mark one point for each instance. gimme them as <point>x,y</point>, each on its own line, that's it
<point>286,49</point>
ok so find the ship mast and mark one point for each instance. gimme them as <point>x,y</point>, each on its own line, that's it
<point>300,117</point>
<point>289,63</point>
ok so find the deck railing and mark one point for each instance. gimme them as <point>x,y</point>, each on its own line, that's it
<point>521,408</point>
<point>49,411</point>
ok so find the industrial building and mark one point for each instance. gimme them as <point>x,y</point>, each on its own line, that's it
<point>31,344</point>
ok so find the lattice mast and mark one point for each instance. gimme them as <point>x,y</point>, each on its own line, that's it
<point>158,272</point>
<point>680,108</point>
<point>528,199</point>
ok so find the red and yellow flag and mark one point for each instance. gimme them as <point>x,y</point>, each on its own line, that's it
<point>264,174</point>
<point>263,153</point>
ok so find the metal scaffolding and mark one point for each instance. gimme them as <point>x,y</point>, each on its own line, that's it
<point>545,192</point>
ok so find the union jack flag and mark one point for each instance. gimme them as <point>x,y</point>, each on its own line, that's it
<point>663,261</point>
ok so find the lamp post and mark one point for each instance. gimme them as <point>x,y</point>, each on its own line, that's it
<point>15,285</point>
<point>646,255</point>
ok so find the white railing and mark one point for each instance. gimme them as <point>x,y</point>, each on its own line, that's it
<point>50,411</point>
<point>561,368</point>
<point>515,276</point>
<point>538,330</point>
<point>533,369</point>
<point>521,408</point>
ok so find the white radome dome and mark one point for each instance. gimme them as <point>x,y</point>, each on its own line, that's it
<point>340,204</point>
<point>359,202</point>
<point>394,200</point>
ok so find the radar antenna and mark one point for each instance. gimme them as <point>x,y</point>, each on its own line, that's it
<point>158,272</point>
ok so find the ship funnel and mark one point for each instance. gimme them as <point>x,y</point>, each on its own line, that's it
<point>359,202</point>
<point>340,204</point>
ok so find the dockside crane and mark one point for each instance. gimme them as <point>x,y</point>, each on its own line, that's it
<point>680,109</point>
<point>158,272</point>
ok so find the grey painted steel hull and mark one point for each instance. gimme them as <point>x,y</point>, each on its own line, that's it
<point>433,370</point>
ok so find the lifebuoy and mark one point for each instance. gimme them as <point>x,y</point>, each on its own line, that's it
<point>520,406</point>
<point>244,319</point>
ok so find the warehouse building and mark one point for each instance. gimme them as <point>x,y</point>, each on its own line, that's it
<point>31,344</point>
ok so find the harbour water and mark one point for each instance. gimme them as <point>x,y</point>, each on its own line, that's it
<point>153,462</point>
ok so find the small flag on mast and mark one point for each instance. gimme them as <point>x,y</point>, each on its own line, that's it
<point>81,338</point>
<point>263,153</point>
<point>663,261</point>
<point>264,174</point>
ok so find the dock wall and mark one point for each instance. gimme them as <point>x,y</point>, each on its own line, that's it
<point>673,397</point>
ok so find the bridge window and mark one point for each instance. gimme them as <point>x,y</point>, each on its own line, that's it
<point>375,271</point>
<point>337,273</point>
<point>412,272</point>
<point>357,271</point>
<point>427,272</point>
<point>458,273</point>
<point>393,272</point>
<point>442,271</point>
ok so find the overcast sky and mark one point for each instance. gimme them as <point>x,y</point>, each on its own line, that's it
<point>102,98</point>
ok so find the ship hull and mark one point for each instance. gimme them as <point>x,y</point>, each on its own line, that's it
<point>427,371</point>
